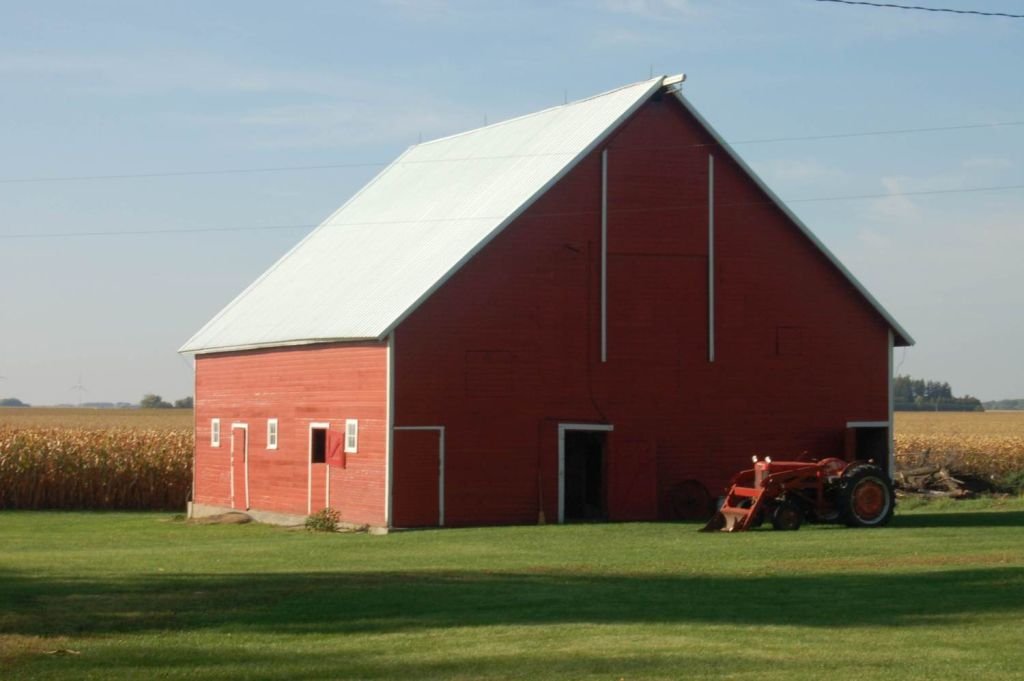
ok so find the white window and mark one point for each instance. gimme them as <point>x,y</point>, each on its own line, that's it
<point>215,432</point>
<point>271,433</point>
<point>351,436</point>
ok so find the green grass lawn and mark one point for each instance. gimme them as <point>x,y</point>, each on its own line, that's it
<point>937,595</point>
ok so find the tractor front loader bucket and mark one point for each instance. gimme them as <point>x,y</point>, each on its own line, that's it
<point>738,512</point>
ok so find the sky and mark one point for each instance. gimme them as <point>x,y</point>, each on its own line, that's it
<point>129,88</point>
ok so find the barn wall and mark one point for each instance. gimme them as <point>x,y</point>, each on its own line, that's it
<point>297,386</point>
<point>509,346</point>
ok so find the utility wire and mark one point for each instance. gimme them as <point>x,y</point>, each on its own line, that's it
<point>203,230</point>
<point>919,8</point>
<point>376,164</point>
<point>873,133</point>
<point>182,173</point>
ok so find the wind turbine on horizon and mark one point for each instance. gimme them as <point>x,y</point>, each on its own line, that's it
<point>79,388</point>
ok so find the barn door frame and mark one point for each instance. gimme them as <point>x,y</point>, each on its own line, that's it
<point>440,475</point>
<point>315,425</point>
<point>244,427</point>
<point>562,429</point>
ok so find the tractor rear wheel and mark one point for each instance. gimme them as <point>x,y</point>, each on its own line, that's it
<point>787,516</point>
<point>865,497</point>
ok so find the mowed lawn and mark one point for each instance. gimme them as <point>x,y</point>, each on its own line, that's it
<point>938,595</point>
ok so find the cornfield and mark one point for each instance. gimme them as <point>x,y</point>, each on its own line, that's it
<point>115,468</point>
<point>989,444</point>
<point>116,459</point>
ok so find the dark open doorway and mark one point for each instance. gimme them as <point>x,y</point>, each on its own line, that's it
<point>868,442</point>
<point>585,476</point>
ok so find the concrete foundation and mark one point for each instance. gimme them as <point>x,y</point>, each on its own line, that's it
<point>272,518</point>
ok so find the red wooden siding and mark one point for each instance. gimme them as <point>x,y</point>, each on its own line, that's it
<point>297,386</point>
<point>509,346</point>
<point>416,501</point>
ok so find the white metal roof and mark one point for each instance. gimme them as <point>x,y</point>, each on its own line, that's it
<point>399,238</point>
<point>362,271</point>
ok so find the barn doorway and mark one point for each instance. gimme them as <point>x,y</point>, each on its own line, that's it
<point>583,465</point>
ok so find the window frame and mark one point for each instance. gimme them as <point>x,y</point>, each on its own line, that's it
<point>215,432</point>
<point>273,433</point>
<point>352,433</point>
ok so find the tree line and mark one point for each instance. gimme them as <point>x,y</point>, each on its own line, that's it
<point>151,401</point>
<point>915,394</point>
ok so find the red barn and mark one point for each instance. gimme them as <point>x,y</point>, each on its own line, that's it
<point>596,311</point>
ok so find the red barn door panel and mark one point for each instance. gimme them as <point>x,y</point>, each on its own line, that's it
<point>417,473</point>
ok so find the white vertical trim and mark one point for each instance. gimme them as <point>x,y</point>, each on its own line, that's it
<point>892,423</point>
<point>441,466</point>
<point>309,459</point>
<point>440,482</point>
<point>244,427</point>
<point>604,255</point>
<point>195,429</point>
<point>389,445</point>
<point>711,258</point>
<point>562,428</point>
<point>231,467</point>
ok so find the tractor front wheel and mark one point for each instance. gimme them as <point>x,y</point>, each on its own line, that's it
<point>865,497</point>
<point>787,516</point>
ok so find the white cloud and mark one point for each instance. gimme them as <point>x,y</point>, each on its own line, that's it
<point>166,72</point>
<point>296,108</point>
<point>988,163</point>
<point>802,170</point>
<point>896,208</point>
<point>351,123</point>
<point>422,10</point>
<point>649,8</point>
<point>618,36</point>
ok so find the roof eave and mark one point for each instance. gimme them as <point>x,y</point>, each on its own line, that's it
<point>187,350</point>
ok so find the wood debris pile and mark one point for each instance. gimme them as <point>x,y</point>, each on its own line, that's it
<point>923,475</point>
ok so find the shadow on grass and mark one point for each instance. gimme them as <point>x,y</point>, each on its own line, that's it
<point>954,519</point>
<point>326,603</point>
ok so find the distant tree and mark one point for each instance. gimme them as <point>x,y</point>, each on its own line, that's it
<point>151,401</point>
<point>12,402</point>
<point>183,403</point>
<point>914,394</point>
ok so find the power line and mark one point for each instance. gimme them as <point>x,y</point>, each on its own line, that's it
<point>919,8</point>
<point>873,133</point>
<point>203,230</point>
<point>181,173</point>
<point>150,232</point>
<point>380,164</point>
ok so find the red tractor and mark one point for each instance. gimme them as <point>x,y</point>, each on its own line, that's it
<point>859,494</point>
